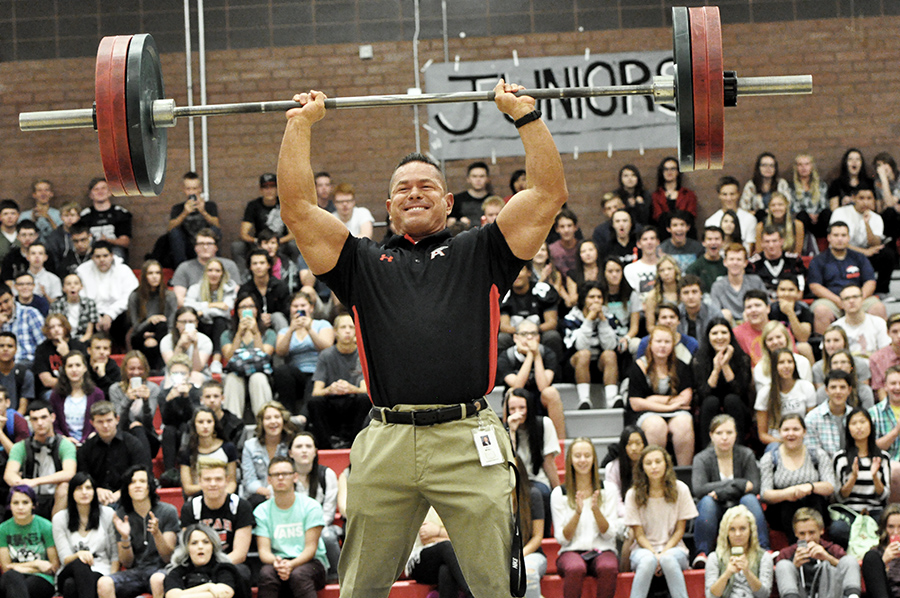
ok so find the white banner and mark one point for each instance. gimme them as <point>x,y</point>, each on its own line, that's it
<point>478,129</point>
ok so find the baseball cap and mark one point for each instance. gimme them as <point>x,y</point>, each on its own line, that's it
<point>267,178</point>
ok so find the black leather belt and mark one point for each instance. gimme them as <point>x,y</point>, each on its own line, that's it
<point>429,417</point>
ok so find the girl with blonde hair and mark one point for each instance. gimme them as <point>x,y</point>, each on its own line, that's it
<point>739,567</point>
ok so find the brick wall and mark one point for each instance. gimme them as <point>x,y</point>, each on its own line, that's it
<point>853,63</point>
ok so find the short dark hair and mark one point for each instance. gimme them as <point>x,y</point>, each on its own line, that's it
<point>265,235</point>
<point>321,173</point>
<point>771,229</point>
<point>667,305</point>
<point>102,408</point>
<point>475,165</point>
<point>99,336</point>
<point>102,244</point>
<point>9,204</point>
<point>838,224</point>
<point>713,229</point>
<point>4,289</point>
<point>79,228</point>
<point>689,280</point>
<point>280,459</point>
<point>259,251</point>
<point>37,405</point>
<point>8,334</point>
<point>682,215</point>
<point>756,294</point>
<point>26,224</point>
<point>834,374</point>
<point>789,278</point>
<point>725,181</point>
<point>649,229</point>
<point>207,232</point>
<point>191,176</point>
<point>565,213</point>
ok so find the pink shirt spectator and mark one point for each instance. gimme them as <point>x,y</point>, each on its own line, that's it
<point>879,362</point>
<point>562,258</point>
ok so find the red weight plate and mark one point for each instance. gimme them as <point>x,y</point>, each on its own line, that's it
<point>104,116</point>
<point>114,132</point>
<point>716,64</point>
<point>700,77</point>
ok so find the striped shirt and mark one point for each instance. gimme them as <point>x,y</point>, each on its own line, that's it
<point>884,421</point>
<point>780,477</point>
<point>825,430</point>
<point>862,495</point>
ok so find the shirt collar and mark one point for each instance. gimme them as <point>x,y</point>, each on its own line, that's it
<point>404,241</point>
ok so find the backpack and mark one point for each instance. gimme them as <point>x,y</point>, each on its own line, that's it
<point>197,505</point>
<point>863,529</point>
<point>29,455</point>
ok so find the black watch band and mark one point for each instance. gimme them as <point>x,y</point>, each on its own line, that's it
<point>531,116</point>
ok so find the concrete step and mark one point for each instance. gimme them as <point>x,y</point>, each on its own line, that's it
<point>595,423</point>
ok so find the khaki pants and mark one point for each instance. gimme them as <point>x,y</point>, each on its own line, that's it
<point>398,471</point>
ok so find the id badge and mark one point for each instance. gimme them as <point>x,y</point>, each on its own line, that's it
<point>486,444</point>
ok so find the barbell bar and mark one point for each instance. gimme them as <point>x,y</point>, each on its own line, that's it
<point>131,113</point>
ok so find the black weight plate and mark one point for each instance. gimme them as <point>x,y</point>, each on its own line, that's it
<point>147,143</point>
<point>684,87</point>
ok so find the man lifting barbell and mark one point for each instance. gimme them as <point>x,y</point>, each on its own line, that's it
<point>426,312</point>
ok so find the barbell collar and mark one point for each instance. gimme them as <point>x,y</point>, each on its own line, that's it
<point>774,86</point>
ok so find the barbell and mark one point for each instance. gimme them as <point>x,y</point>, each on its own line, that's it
<point>131,113</point>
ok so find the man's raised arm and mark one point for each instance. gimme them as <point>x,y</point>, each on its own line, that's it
<point>320,237</point>
<point>527,218</point>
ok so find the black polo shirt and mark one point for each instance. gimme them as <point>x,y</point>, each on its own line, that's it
<point>427,314</point>
<point>107,462</point>
<point>236,513</point>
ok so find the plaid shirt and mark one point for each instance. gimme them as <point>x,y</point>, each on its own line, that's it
<point>26,325</point>
<point>884,421</point>
<point>825,430</point>
<point>87,315</point>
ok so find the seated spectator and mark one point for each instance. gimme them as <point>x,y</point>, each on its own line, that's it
<point>658,508</point>
<point>146,533</point>
<point>205,441</point>
<point>263,214</point>
<point>619,467</point>
<point>45,461</point>
<point>791,311</point>
<point>866,229</point>
<point>490,209</point>
<point>739,566</point>
<point>825,424</point>
<point>358,220</point>
<point>297,560</point>
<point>760,189</point>
<point>151,313</point>
<point>72,398</point>
<point>534,439</point>
<point>228,515</point>
<point>667,317</point>
<point>694,312</point>
<point>59,240</point>
<point>527,300</point>
<point>26,323</point>
<point>103,371</point>
<point>109,452</point>
<point>728,291</point>
<point>78,253</point>
<point>887,187</point>
<point>834,340</point>
<point>213,298</point>
<point>109,283</point>
<point>270,292</point>
<point>81,312</point>
<point>247,357</point>
<point>749,334</point>
<point>200,567</point>
<point>293,273</point>
<point>725,473</point>
<point>13,427</point>
<point>778,216</point>
<point>809,196</point>
<point>300,344</point>
<point>860,392</point>
<point>670,194</point>
<point>518,181</point>
<point>46,218</point>
<point>433,561</point>
<point>742,225</point>
<point>865,332</point>
<point>667,288</point>
<point>594,343</point>
<point>661,392</point>
<point>587,265</point>
<point>709,265</point>
<point>631,191</point>
<point>603,233</point>
<point>835,268</point>
<point>794,476</point>
<point>775,336</point>
<point>586,524</point>
<point>16,260</point>
<point>319,483</point>
<point>530,366</point>
<point>722,377</point>
<point>878,568</point>
<point>679,246</point>
<point>885,358</point>
<point>27,552</point>
<point>24,284</point>
<point>786,395</point>
<point>622,245</point>
<point>798,574</point>
<point>191,272</point>
<point>9,217</point>
<point>46,284</point>
<point>623,304</point>
<point>107,222</point>
<point>862,473</point>
<point>887,429</point>
<point>274,431</point>
<point>853,174</point>
<point>773,264</point>
<point>180,397</point>
<point>189,217</point>
<point>339,406</point>
<point>562,251</point>
<point>85,540</point>
<point>641,273</point>
<point>136,399</point>
<point>16,380</point>
<point>546,272</point>
<point>49,354</point>
<point>185,338</point>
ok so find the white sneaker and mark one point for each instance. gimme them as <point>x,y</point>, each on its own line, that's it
<point>215,367</point>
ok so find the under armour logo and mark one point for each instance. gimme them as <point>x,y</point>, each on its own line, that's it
<point>388,258</point>
<point>439,251</point>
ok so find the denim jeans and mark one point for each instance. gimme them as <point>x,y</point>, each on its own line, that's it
<point>706,526</point>
<point>673,563</point>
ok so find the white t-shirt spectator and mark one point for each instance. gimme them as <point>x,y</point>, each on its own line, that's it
<point>798,400</point>
<point>868,337</point>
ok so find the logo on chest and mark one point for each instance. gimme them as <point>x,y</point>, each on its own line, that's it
<point>439,252</point>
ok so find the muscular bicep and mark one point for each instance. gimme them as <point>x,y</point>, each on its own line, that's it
<point>320,236</point>
<point>526,220</point>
